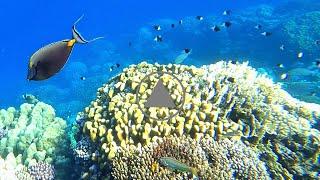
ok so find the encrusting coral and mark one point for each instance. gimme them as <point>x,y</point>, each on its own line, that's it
<point>222,100</point>
<point>34,134</point>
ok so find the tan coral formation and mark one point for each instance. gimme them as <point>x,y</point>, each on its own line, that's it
<point>222,100</point>
<point>223,159</point>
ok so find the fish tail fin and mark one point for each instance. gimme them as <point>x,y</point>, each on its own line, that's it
<point>194,171</point>
<point>78,37</point>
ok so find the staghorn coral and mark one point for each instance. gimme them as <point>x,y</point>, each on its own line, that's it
<point>225,99</point>
<point>42,171</point>
<point>223,159</point>
<point>35,134</point>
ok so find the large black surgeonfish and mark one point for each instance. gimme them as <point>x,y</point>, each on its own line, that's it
<point>50,59</point>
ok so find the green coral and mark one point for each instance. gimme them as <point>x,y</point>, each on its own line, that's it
<point>35,134</point>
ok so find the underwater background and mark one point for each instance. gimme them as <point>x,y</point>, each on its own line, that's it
<point>257,93</point>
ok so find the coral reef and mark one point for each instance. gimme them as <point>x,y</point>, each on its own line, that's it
<point>12,169</point>
<point>42,171</point>
<point>223,159</point>
<point>222,100</point>
<point>299,31</point>
<point>3,132</point>
<point>35,135</point>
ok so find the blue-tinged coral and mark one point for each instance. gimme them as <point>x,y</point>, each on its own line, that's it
<point>223,100</point>
<point>303,30</point>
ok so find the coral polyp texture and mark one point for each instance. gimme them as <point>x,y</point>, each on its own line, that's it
<point>223,159</point>
<point>222,100</point>
<point>34,135</point>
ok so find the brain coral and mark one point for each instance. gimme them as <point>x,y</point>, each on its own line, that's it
<point>225,99</point>
<point>34,134</point>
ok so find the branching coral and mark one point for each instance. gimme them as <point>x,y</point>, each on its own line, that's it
<point>35,134</point>
<point>223,100</point>
<point>11,168</point>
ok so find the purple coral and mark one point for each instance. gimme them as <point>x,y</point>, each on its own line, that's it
<point>42,171</point>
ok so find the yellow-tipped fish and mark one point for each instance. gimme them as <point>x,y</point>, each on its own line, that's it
<point>51,58</point>
<point>174,164</point>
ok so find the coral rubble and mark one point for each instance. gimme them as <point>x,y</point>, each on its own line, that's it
<point>223,100</point>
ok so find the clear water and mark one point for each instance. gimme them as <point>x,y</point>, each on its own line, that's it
<point>28,25</point>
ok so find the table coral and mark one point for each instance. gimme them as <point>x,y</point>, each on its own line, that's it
<point>223,100</point>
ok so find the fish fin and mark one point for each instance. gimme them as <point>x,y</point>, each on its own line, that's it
<point>78,37</point>
<point>194,171</point>
<point>79,19</point>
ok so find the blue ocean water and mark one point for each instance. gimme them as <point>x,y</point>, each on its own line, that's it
<point>289,56</point>
<point>27,26</point>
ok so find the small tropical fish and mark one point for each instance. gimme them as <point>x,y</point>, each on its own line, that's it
<point>187,50</point>
<point>313,93</point>
<point>130,44</point>
<point>172,25</point>
<point>82,78</point>
<point>266,33</point>
<point>258,26</point>
<point>282,47</point>
<point>157,27</point>
<point>317,63</point>
<point>174,164</point>
<point>215,29</point>
<point>50,59</point>
<point>200,18</point>
<point>284,76</point>
<point>233,62</point>
<point>317,42</point>
<point>180,22</point>
<point>231,79</point>
<point>226,24</point>
<point>113,67</point>
<point>280,65</point>
<point>184,55</point>
<point>158,38</point>
<point>300,55</point>
<point>226,12</point>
